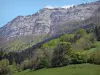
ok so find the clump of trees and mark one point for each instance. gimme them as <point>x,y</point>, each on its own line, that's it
<point>55,53</point>
<point>61,54</point>
<point>41,58</point>
<point>44,57</point>
<point>58,52</point>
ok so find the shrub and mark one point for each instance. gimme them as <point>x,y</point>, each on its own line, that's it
<point>78,58</point>
<point>4,67</point>
<point>67,38</point>
<point>85,42</point>
<point>19,67</point>
<point>79,33</point>
<point>95,57</point>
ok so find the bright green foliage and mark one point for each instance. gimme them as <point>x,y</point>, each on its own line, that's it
<point>67,38</point>
<point>51,44</point>
<point>79,57</point>
<point>80,33</point>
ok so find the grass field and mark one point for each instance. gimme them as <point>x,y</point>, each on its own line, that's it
<point>81,69</point>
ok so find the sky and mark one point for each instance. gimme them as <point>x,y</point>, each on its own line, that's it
<point>10,9</point>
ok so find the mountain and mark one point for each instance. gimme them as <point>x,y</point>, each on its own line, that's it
<point>25,31</point>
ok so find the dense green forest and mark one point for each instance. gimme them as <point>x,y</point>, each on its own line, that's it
<point>79,47</point>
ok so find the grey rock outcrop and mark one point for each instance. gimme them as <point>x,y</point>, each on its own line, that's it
<point>48,21</point>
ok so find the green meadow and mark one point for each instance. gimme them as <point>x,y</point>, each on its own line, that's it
<point>80,69</point>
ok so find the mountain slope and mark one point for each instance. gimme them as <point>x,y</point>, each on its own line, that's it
<point>46,23</point>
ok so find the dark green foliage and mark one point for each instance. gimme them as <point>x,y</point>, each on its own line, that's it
<point>60,55</point>
<point>15,57</point>
<point>47,57</point>
<point>97,32</point>
<point>3,54</point>
<point>44,62</point>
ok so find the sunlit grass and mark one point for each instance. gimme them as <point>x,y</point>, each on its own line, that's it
<point>81,69</point>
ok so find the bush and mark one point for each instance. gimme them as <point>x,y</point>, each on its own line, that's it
<point>25,65</point>
<point>32,64</point>
<point>78,58</point>
<point>85,42</point>
<point>67,38</point>
<point>19,67</point>
<point>95,57</point>
<point>4,67</point>
<point>80,33</point>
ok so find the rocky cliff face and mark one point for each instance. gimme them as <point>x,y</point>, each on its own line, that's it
<point>48,21</point>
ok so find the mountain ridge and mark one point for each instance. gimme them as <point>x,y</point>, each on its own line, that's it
<point>48,22</point>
